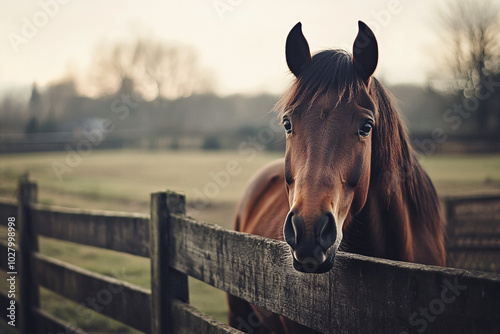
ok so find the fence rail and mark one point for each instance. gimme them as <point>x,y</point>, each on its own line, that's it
<point>77,284</point>
<point>474,232</point>
<point>122,232</point>
<point>361,294</point>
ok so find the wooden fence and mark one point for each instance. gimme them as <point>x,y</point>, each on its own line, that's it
<point>473,232</point>
<point>360,295</point>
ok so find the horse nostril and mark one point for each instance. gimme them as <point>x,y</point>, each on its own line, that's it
<point>292,230</point>
<point>325,231</point>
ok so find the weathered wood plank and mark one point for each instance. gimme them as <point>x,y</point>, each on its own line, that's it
<point>117,299</point>
<point>188,320</point>
<point>123,232</point>
<point>360,295</point>
<point>46,323</point>
<point>8,208</point>
<point>166,283</point>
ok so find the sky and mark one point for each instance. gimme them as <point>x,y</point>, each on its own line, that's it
<point>241,42</point>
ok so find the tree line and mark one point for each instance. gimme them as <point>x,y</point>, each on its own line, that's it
<point>157,94</point>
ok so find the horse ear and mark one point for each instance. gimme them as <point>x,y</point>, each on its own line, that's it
<point>365,52</point>
<point>297,50</point>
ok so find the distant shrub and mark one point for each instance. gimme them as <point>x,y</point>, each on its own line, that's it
<point>32,126</point>
<point>174,144</point>
<point>49,125</point>
<point>247,131</point>
<point>211,143</point>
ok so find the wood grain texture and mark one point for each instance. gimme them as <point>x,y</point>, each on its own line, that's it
<point>360,295</point>
<point>122,232</point>
<point>188,320</point>
<point>167,283</point>
<point>117,299</point>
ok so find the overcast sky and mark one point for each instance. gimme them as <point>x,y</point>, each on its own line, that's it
<point>240,41</point>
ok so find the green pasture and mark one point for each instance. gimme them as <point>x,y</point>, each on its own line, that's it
<point>212,182</point>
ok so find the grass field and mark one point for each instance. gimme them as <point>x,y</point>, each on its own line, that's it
<point>123,181</point>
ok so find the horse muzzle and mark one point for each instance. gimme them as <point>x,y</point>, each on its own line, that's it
<point>312,253</point>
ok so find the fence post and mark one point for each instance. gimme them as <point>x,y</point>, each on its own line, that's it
<point>27,244</point>
<point>166,283</point>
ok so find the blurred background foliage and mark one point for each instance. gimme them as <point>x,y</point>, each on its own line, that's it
<point>158,96</point>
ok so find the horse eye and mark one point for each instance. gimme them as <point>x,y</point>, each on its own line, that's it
<point>365,129</point>
<point>288,125</point>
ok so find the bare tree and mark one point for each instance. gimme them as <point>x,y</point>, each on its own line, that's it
<point>35,110</point>
<point>470,53</point>
<point>151,69</point>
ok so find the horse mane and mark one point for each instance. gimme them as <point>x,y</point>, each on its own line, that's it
<point>395,164</point>
<point>331,74</point>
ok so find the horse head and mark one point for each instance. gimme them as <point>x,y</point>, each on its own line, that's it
<point>329,115</point>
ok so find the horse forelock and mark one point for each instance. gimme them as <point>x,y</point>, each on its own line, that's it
<point>331,74</point>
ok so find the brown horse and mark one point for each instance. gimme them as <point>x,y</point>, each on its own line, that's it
<point>350,180</point>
